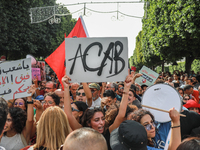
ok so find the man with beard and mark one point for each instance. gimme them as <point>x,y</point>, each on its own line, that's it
<point>95,90</point>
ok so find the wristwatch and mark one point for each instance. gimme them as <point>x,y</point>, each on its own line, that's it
<point>29,102</point>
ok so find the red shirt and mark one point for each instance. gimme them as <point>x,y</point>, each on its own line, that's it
<point>196,95</point>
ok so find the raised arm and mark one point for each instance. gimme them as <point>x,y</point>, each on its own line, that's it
<point>88,94</point>
<point>175,139</point>
<point>29,122</point>
<point>124,102</point>
<point>74,124</point>
<point>35,81</point>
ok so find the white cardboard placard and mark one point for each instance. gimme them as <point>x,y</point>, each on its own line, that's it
<point>15,79</point>
<point>96,59</point>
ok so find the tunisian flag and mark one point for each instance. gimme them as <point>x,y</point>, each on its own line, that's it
<point>57,59</point>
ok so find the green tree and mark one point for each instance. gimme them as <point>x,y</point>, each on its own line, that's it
<point>139,58</point>
<point>171,30</point>
<point>19,37</point>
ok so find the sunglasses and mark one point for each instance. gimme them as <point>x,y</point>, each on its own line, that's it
<point>186,98</point>
<point>150,126</point>
<point>73,109</point>
<point>78,94</point>
<point>20,103</point>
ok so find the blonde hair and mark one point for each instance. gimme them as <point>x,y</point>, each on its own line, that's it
<point>52,129</point>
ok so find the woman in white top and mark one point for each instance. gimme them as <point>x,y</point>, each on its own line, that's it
<point>18,126</point>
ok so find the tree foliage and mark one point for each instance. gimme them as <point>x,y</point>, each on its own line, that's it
<point>19,37</point>
<point>171,31</point>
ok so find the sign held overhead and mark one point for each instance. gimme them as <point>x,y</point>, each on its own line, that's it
<point>96,59</point>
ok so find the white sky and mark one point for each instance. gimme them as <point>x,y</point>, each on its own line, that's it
<point>102,25</point>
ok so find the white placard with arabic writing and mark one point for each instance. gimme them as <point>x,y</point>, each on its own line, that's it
<point>15,79</point>
<point>96,59</point>
<point>148,76</point>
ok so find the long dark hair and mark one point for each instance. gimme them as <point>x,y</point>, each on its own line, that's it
<point>82,106</point>
<point>89,113</point>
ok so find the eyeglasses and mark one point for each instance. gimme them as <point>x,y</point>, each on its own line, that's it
<point>73,109</point>
<point>186,98</point>
<point>78,94</point>
<point>48,88</point>
<point>20,103</point>
<point>150,126</point>
<point>47,102</point>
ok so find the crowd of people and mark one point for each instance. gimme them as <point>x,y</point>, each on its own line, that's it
<point>99,116</point>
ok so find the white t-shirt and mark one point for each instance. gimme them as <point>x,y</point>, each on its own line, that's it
<point>12,143</point>
<point>97,102</point>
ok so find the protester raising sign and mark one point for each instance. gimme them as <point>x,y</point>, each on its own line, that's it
<point>96,59</point>
<point>148,76</point>
<point>36,73</point>
<point>15,78</point>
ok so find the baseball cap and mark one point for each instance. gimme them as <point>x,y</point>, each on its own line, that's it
<point>40,97</point>
<point>130,135</point>
<point>191,103</point>
<point>94,85</point>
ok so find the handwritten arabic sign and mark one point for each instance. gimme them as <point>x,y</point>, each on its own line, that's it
<point>15,79</point>
<point>36,73</point>
<point>148,77</point>
<point>96,59</point>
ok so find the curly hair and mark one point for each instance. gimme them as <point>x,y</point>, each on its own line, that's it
<point>89,113</point>
<point>54,96</point>
<point>18,118</point>
<point>138,115</point>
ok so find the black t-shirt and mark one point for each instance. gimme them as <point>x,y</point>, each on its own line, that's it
<point>188,123</point>
<point>107,137</point>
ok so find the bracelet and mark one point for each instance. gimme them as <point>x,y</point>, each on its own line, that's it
<point>29,102</point>
<point>175,126</point>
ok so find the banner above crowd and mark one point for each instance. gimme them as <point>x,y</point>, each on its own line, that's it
<point>96,59</point>
<point>15,79</point>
